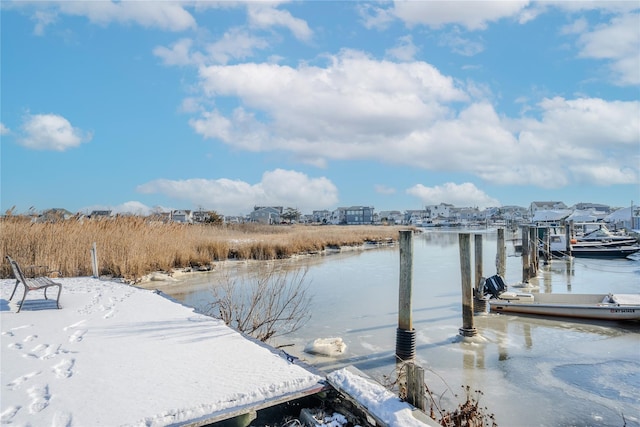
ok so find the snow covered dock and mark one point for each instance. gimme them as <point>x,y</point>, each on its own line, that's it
<point>117,355</point>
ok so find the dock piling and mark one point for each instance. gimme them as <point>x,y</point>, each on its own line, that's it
<point>535,256</point>
<point>479,303</point>
<point>468,329</point>
<point>94,260</point>
<point>405,334</point>
<point>416,392</point>
<point>501,254</point>
<point>567,234</point>
<point>525,254</point>
<point>477,239</point>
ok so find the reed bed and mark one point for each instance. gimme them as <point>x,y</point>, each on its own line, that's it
<point>132,247</point>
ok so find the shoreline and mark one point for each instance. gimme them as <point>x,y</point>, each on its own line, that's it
<point>177,276</point>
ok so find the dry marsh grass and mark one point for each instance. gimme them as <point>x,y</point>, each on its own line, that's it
<point>131,247</point>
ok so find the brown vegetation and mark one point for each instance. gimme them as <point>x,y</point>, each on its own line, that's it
<point>271,302</point>
<point>131,247</point>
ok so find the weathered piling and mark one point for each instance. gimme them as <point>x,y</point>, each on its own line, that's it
<point>547,244</point>
<point>405,334</point>
<point>94,260</point>
<point>535,256</point>
<point>468,329</point>
<point>567,235</point>
<point>501,254</point>
<point>416,391</point>
<point>525,254</point>
<point>477,240</point>
<point>479,303</point>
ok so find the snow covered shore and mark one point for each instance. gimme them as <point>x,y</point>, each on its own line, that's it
<point>119,355</point>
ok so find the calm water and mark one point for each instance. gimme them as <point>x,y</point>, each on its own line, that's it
<point>532,371</point>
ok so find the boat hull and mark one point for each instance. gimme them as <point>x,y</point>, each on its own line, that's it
<point>605,252</point>
<point>573,306</point>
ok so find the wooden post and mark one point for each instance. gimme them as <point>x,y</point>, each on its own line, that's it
<point>405,334</point>
<point>416,391</point>
<point>547,244</point>
<point>525,254</point>
<point>94,260</point>
<point>468,329</point>
<point>567,236</point>
<point>477,239</point>
<point>533,244</point>
<point>501,254</point>
<point>479,303</point>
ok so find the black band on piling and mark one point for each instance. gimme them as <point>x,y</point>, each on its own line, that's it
<point>468,332</point>
<point>405,344</point>
<point>479,305</point>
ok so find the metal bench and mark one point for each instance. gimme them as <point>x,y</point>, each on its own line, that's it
<point>31,284</point>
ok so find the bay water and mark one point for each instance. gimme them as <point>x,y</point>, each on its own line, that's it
<point>526,371</point>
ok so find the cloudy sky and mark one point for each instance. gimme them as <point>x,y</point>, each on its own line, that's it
<point>137,105</point>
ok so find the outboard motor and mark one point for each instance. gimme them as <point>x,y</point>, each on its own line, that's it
<point>494,286</point>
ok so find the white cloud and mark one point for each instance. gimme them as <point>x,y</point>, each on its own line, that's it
<point>406,114</point>
<point>163,15</point>
<point>179,53</point>
<point>461,45</point>
<point>606,6</point>
<point>471,15</point>
<point>4,130</point>
<point>236,43</point>
<point>43,19</point>
<point>345,108</point>
<point>618,41</point>
<point>466,194</point>
<point>266,15</point>
<point>277,188</point>
<point>171,16</point>
<point>578,26</point>
<point>373,16</point>
<point>404,50</point>
<point>51,132</point>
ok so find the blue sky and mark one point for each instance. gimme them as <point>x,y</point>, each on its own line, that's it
<point>140,105</point>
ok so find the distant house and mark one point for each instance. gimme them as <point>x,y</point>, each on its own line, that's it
<point>628,218</point>
<point>468,215</point>
<point>513,213</point>
<point>266,215</point>
<point>416,217</point>
<point>322,216</point>
<point>100,214</point>
<point>391,217</point>
<point>339,216</point>
<point>182,216</point>
<point>200,216</point>
<point>160,217</point>
<point>551,216</point>
<point>230,219</point>
<point>489,213</point>
<point>595,207</point>
<point>546,206</point>
<point>358,215</point>
<point>53,215</point>
<point>443,210</point>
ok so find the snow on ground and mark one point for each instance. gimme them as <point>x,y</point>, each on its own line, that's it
<point>379,401</point>
<point>117,355</point>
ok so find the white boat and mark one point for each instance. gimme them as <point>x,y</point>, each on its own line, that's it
<point>603,235</point>
<point>581,306</point>
<point>591,248</point>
